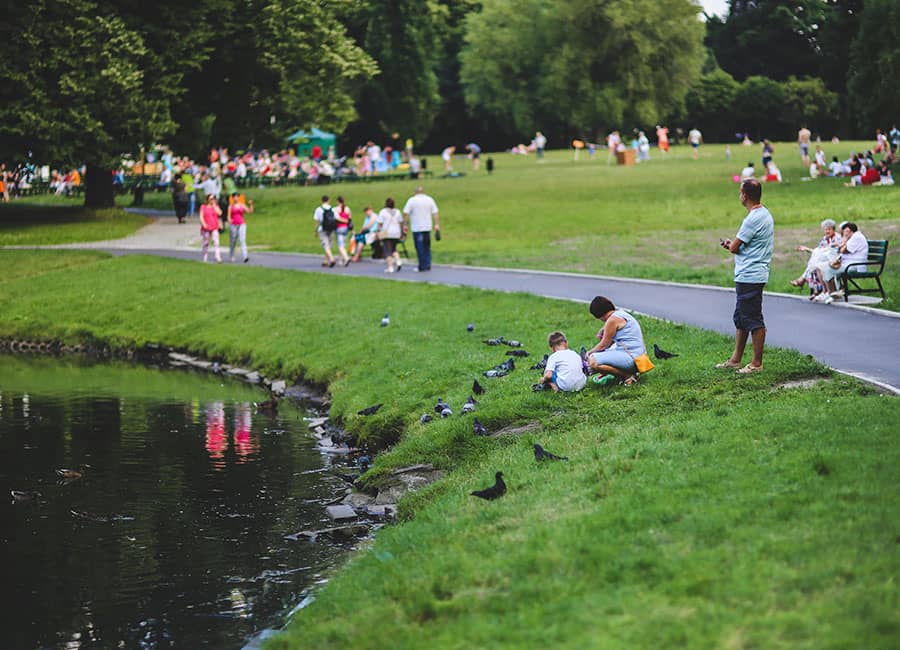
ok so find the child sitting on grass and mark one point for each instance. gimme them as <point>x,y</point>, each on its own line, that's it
<point>563,370</point>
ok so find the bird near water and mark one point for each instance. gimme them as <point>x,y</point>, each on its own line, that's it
<point>542,454</point>
<point>497,490</point>
<point>71,474</point>
<point>270,406</point>
<point>659,353</point>
<point>23,496</point>
<point>370,410</point>
<point>385,321</point>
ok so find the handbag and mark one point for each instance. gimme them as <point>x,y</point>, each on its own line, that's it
<point>371,237</point>
<point>643,363</point>
<point>835,263</point>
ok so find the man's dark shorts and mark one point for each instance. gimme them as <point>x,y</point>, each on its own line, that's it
<point>748,309</point>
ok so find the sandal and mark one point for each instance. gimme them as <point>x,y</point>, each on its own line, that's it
<point>728,364</point>
<point>630,380</point>
<point>798,283</point>
<point>749,370</point>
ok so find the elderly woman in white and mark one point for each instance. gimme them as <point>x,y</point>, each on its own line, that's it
<point>819,259</point>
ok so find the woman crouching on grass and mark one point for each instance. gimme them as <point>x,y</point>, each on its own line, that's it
<point>621,340</point>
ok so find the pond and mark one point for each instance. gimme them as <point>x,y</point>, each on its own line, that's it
<point>170,529</point>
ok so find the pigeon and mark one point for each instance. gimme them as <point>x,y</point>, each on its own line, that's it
<point>479,428</point>
<point>364,462</point>
<point>425,418</point>
<point>476,388</point>
<point>513,344</point>
<point>493,372</point>
<point>470,327</point>
<point>469,406</point>
<point>446,412</point>
<point>540,365</point>
<point>541,454</point>
<point>498,489</point>
<point>440,406</point>
<point>659,353</point>
<point>370,410</point>
<point>509,365</point>
<point>516,353</point>
<point>496,341</point>
<point>385,321</point>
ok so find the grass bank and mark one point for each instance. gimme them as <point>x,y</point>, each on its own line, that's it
<point>658,220</point>
<point>46,221</point>
<point>698,509</point>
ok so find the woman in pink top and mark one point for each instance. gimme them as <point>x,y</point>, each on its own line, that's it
<point>209,226</point>
<point>343,227</point>
<point>237,227</point>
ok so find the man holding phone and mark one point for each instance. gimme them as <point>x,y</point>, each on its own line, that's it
<point>752,248</point>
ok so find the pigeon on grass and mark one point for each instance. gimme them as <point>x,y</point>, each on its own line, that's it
<point>542,454</point>
<point>497,490</point>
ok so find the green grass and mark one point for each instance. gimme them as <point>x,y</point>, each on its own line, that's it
<point>699,509</point>
<point>658,220</point>
<point>46,221</point>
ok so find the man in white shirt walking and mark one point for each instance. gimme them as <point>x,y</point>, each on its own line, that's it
<point>421,213</point>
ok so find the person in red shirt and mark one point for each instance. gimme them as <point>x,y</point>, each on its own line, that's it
<point>209,226</point>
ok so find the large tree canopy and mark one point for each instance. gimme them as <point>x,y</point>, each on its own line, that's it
<point>874,78</point>
<point>575,65</point>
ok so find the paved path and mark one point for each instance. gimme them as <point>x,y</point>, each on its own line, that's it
<point>856,340</point>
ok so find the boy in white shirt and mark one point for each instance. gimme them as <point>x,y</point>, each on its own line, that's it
<point>564,368</point>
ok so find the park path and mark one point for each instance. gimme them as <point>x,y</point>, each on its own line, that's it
<point>853,339</point>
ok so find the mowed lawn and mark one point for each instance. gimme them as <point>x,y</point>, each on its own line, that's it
<point>699,509</point>
<point>661,219</point>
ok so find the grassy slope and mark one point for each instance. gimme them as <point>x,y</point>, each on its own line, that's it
<point>699,508</point>
<point>47,221</point>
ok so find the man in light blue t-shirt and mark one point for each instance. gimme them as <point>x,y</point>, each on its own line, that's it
<point>752,249</point>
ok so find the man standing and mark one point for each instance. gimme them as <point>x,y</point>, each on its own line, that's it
<point>696,139</point>
<point>540,143</point>
<point>752,249</point>
<point>803,137</point>
<point>419,212</point>
<point>474,153</point>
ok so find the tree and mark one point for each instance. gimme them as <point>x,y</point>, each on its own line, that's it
<point>81,88</point>
<point>808,102</point>
<point>758,103</point>
<point>575,65</point>
<point>875,66</point>
<point>710,103</point>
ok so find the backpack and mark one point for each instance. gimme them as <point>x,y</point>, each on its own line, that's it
<point>329,221</point>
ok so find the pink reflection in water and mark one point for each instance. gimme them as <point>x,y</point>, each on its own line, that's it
<point>215,433</point>
<point>244,443</point>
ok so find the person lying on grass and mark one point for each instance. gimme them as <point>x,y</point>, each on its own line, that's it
<point>621,340</point>
<point>563,371</point>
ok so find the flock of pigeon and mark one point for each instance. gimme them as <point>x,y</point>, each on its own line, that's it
<point>443,410</point>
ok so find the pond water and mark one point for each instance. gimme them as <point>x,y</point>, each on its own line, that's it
<point>175,533</point>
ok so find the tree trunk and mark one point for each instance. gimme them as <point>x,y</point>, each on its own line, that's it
<point>98,187</point>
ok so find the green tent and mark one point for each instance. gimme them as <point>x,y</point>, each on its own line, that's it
<point>304,141</point>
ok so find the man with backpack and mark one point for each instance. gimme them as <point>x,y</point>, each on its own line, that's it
<point>326,225</point>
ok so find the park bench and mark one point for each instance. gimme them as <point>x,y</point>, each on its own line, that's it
<point>874,266</point>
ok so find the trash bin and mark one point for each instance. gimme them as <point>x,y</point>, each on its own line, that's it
<point>625,157</point>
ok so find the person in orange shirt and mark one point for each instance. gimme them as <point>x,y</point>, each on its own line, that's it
<point>662,135</point>
<point>76,178</point>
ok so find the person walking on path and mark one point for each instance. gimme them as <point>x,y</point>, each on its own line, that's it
<point>344,221</point>
<point>752,248</point>
<point>391,227</point>
<point>237,225</point>
<point>421,213</point>
<point>326,225</point>
<point>209,226</point>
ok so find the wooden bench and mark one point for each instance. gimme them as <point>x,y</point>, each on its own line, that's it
<point>874,266</point>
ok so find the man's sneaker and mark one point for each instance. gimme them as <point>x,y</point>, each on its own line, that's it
<point>828,300</point>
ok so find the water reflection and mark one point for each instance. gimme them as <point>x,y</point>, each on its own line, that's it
<point>174,536</point>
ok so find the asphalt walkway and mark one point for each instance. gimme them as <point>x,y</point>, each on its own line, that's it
<point>852,339</point>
